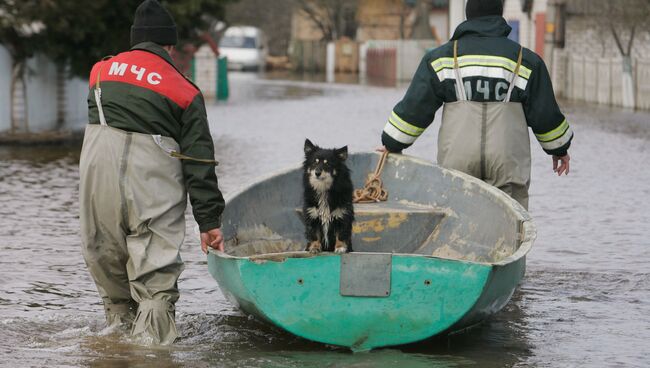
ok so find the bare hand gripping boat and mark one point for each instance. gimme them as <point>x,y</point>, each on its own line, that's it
<point>442,254</point>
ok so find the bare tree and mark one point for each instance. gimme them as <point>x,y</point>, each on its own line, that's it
<point>273,17</point>
<point>404,11</point>
<point>623,20</point>
<point>334,18</point>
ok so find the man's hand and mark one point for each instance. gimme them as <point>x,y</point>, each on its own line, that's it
<point>213,239</point>
<point>382,149</point>
<point>563,166</point>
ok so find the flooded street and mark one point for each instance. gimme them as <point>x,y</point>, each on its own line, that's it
<point>584,302</point>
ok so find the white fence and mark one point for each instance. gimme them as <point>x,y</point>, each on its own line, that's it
<point>643,84</point>
<point>49,97</point>
<point>601,80</point>
<point>204,72</point>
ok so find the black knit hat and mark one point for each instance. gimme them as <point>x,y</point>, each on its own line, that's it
<point>153,23</point>
<point>482,8</point>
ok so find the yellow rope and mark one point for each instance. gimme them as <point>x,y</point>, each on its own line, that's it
<point>373,191</point>
<point>181,156</point>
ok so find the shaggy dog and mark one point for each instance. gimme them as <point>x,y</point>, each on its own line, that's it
<point>327,207</point>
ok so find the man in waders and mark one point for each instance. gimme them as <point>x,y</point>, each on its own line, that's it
<point>146,146</point>
<point>492,90</point>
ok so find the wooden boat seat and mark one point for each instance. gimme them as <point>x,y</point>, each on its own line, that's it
<point>393,227</point>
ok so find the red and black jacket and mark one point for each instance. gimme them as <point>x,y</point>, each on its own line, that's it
<point>143,92</point>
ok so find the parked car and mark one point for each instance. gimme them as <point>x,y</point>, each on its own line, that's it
<point>245,47</point>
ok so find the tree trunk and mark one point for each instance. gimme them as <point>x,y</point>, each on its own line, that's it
<point>18,78</point>
<point>628,83</point>
<point>629,99</point>
<point>402,21</point>
<point>421,26</point>
<point>60,96</point>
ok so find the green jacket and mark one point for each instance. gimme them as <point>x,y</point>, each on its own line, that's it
<point>143,92</point>
<point>487,60</point>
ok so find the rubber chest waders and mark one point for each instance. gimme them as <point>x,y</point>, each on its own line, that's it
<point>132,202</point>
<point>488,140</point>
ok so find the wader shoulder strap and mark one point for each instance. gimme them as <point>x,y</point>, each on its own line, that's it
<point>460,87</point>
<point>515,75</point>
<point>98,99</point>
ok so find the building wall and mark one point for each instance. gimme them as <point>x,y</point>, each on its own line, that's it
<point>585,36</point>
<point>379,20</point>
<point>511,12</point>
<point>527,22</point>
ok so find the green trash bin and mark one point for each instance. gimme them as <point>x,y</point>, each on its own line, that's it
<point>222,79</point>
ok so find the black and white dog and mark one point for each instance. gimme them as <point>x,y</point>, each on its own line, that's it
<point>327,206</point>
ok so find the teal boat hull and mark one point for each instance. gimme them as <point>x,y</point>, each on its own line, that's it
<point>441,291</point>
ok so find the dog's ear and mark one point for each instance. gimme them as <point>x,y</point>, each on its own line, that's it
<point>309,147</point>
<point>342,153</point>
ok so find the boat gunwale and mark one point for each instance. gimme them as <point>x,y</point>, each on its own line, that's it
<point>273,257</point>
<point>528,231</point>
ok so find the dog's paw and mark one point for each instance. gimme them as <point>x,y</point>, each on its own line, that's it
<point>314,247</point>
<point>340,247</point>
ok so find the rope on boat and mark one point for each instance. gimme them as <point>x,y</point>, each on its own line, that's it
<point>373,191</point>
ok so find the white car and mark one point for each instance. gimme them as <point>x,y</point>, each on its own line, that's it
<point>245,47</point>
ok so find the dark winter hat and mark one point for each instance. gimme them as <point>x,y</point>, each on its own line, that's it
<point>153,23</point>
<point>482,8</point>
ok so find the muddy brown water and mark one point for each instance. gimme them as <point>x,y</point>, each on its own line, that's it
<point>585,299</point>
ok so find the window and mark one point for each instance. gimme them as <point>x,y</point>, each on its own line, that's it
<point>238,42</point>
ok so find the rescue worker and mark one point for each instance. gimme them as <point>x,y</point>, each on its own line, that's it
<point>492,90</point>
<point>146,147</point>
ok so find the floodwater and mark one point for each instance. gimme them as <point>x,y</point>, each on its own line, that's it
<point>584,302</point>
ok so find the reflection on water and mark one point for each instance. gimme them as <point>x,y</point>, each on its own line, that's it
<point>583,301</point>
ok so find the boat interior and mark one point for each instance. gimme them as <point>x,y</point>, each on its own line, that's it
<point>430,212</point>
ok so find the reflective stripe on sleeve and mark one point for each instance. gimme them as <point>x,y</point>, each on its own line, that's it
<point>556,138</point>
<point>555,133</point>
<point>397,135</point>
<point>403,126</point>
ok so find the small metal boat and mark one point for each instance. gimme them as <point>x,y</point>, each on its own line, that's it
<point>442,254</point>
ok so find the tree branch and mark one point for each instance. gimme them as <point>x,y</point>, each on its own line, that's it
<point>312,13</point>
<point>629,44</point>
<point>617,39</point>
